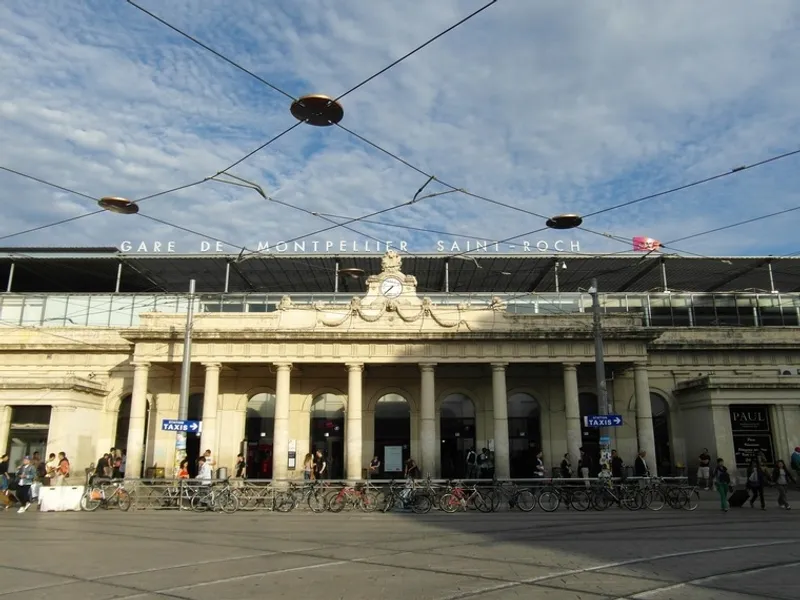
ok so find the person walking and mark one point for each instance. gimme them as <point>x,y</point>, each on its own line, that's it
<point>722,479</point>
<point>755,482</point>
<point>781,478</point>
<point>26,475</point>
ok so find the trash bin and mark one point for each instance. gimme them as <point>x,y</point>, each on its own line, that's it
<point>222,473</point>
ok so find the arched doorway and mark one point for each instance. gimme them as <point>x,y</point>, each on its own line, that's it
<point>590,436</point>
<point>259,429</point>
<point>193,451</point>
<point>524,434</point>
<point>660,410</point>
<point>457,428</point>
<point>124,422</point>
<point>327,431</point>
<point>392,433</point>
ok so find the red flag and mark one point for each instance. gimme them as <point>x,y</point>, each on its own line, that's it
<point>645,244</point>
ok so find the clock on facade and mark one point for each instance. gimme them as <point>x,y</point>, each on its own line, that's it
<point>391,287</point>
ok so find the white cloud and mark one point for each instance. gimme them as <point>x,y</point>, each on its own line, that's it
<point>548,106</point>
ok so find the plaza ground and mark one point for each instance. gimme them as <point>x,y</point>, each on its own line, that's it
<point>149,555</point>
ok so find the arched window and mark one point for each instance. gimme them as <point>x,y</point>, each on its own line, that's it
<point>259,428</point>
<point>392,431</point>
<point>660,410</point>
<point>457,428</point>
<point>327,431</point>
<point>524,434</point>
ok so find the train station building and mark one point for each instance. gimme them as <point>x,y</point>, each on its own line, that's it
<point>381,353</point>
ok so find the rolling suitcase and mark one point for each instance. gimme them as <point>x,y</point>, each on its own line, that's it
<point>738,498</point>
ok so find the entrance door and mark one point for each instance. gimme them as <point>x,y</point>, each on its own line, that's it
<point>327,432</point>
<point>392,430</point>
<point>457,428</point>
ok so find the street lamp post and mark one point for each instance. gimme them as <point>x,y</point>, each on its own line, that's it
<point>186,373</point>
<point>600,372</point>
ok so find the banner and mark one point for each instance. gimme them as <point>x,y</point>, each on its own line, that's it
<point>645,244</point>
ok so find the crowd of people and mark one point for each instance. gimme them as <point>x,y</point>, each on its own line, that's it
<point>21,484</point>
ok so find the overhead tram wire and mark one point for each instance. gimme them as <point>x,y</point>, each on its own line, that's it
<point>214,52</point>
<point>47,183</point>
<point>733,171</point>
<point>417,49</point>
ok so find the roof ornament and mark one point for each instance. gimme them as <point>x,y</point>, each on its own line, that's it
<point>391,262</point>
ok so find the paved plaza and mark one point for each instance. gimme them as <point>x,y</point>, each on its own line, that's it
<point>149,555</point>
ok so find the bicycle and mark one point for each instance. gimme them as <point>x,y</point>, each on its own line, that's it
<point>465,498</point>
<point>95,496</point>
<point>224,500</point>
<point>362,496</point>
<point>406,496</point>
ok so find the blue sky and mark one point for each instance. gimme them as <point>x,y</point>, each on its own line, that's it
<point>548,106</point>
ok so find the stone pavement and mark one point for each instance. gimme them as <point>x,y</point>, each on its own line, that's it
<point>152,555</point>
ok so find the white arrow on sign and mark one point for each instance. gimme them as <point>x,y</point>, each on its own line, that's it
<point>193,426</point>
<point>617,420</point>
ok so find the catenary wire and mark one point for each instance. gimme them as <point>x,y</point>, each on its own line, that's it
<point>417,49</point>
<point>47,183</point>
<point>214,52</point>
<point>694,183</point>
<point>48,225</point>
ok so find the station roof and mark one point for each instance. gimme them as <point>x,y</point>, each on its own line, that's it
<point>82,270</point>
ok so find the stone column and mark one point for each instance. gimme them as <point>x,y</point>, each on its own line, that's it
<point>572,411</point>
<point>208,437</point>
<point>136,432</point>
<point>280,436</point>
<point>427,430</point>
<point>502,460</point>
<point>5,428</point>
<point>644,416</point>
<point>353,427</point>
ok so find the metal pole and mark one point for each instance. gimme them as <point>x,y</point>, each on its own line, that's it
<point>119,278</point>
<point>600,373</point>
<point>227,276</point>
<point>664,275</point>
<point>769,268</point>
<point>10,277</point>
<point>336,281</point>
<point>186,374</point>
<point>556,273</point>
<point>447,276</point>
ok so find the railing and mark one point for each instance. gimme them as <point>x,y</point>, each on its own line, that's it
<point>655,309</point>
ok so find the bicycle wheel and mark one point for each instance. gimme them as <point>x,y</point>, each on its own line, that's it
<point>421,504</point>
<point>692,499</point>
<point>601,500</point>
<point>580,500</point>
<point>549,501</point>
<point>90,504</point>
<point>632,500</point>
<point>316,502</point>
<point>525,500</point>
<point>123,500</point>
<point>482,503</point>
<point>492,498</point>
<point>449,503</point>
<point>369,502</point>
<point>248,498</point>
<point>201,502</point>
<point>337,503</point>
<point>285,502</point>
<point>227,502</point>
<point>654,500</point>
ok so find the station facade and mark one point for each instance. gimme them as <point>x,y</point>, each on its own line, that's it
<point>393,373</point>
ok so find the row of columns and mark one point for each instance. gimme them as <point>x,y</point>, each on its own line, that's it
<point>644,412</point>
<point>353,428</point>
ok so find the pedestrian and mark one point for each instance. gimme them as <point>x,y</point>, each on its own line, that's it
<point>704,470</point>
<point>722,479</point>
<point>472,464</point>
<point>566,467</point>
<point>781,478</point>
<point>26,475</point>
<point>755,483</point>
<point>795,461</point>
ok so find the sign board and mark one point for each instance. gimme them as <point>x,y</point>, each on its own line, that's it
<point>752,433</point>
<point>602,421</point>
<point>178,425</point>
<point>393,459</point>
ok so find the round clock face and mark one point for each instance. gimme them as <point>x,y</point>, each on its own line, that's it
<point>391,287</point>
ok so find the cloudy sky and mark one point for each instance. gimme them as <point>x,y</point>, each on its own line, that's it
<point>547,106</point>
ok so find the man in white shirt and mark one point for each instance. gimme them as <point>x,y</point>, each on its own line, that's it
<point>204,474</point>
